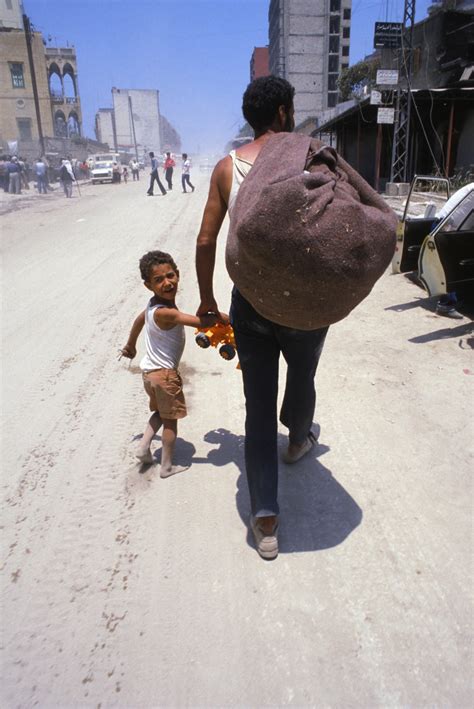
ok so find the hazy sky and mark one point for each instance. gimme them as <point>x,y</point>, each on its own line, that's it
<point>195,52</point>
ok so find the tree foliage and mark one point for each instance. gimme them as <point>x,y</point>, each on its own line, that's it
<point>353,79</point>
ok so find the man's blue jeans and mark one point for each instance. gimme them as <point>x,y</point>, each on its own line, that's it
<point>259,343</point>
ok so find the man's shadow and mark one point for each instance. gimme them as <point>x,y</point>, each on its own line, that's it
<point>317,512</point>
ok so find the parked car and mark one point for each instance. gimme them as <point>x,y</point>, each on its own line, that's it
<point>439,244</point>
<point>102,171</point>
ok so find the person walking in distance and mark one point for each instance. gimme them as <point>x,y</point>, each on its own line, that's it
<point>165,338</point>
<point>66,177</point>
<point>154,176</point>
<point>185,177</point>
<point>40,172</point>
<point>135,168</point>
<point>169,165</point>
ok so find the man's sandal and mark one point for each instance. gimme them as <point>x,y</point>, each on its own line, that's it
<point>305,448</point>
<point>267,544</point>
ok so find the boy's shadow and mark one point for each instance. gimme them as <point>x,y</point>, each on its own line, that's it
<point>317,512</point>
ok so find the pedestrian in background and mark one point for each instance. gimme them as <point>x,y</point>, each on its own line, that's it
<point>154,176</point>
<point>40,173</point>
<point>185,177</point>
<point>169,165</point>
<point>14,173</point>
<point>4,173</point>
<point>135,168</point>
<point>66,177</point>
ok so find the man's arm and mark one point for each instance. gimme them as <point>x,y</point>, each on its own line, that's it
<point>214,213</point>
<point>130,349</point>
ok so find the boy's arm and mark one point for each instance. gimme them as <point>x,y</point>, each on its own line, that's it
<point>166,318</point>
<point>214,213</point>
<point>130,349</point>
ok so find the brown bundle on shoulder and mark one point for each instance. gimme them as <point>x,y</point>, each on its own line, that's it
<point>308,236</point>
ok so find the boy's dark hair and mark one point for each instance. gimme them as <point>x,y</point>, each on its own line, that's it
<point>154,258</point>
<point>263,97</point>
<point>185,155</point>
<point>151,154</point>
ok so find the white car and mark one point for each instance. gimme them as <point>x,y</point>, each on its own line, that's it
<point>102,172</point>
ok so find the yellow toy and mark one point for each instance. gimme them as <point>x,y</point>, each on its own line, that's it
<point>217,335</point>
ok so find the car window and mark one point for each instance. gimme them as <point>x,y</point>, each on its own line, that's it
<point>462,216</point>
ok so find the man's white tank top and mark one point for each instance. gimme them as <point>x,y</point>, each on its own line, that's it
<point>164,348</point>
<point>240,170</point>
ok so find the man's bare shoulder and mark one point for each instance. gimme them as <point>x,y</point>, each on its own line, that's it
<point>223,168</point>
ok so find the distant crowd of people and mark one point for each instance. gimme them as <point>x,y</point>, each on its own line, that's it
<point>16,173</point>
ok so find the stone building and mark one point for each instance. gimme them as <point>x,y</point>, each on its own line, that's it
<point>259,63</point>
<point>17,103</point>
<point>309,46</point>
<point>59,103</point>
<point>61,65</point>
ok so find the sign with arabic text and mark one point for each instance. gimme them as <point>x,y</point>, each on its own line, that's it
<point>388,35</point>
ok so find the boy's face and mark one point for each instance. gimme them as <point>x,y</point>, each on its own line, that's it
<point>163,282</point>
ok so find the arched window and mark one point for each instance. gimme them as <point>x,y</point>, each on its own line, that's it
<point>73,127</point>
<point>69,82</point>
<point>60,126</point>
<point>55,83</point>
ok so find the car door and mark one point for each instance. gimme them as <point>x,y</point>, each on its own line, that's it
<point>446,262</point>
<point>412,231</point>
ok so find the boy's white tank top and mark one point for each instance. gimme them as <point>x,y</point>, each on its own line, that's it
<point>164,348</point>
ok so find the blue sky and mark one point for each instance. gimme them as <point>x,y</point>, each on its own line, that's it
<point>195,52</point>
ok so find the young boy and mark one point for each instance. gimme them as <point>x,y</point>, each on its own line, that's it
<point>164,336</point>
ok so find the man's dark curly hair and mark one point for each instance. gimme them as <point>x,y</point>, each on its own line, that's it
<point>263,97</point>
<point>154,258</point>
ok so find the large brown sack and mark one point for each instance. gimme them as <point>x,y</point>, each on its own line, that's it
<point>308,236</point>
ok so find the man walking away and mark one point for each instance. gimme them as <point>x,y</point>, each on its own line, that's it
<point>135,168</point>
<point>14,172</point>
<point>185,178</point>
<point>169,165</point>
<point>154,176</point>
<point>40,172</point>
<point>66,177</point>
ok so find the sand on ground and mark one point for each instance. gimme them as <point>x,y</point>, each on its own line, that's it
<point>121,589</point>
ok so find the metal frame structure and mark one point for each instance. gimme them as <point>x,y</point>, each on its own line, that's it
<point>401,131</point>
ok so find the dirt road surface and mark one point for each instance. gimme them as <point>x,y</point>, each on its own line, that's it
<point>121,589</point>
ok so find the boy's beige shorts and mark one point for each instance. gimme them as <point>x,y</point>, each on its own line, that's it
<point>165,389</point>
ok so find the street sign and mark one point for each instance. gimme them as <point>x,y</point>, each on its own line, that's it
<point>388,35</point>
<point>386,115</point>
<point>375,98</point>
<point>387,77</point>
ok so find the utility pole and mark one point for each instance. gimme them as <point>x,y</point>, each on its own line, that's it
<point>28,33</point>
<point>401,132</point>
<point>133,126</point>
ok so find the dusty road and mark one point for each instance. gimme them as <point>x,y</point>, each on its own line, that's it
<point>124,590</point>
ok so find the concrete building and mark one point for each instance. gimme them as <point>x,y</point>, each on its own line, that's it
<point>137,110</point>
<point>136,117</point>
<point>309,46</point>
<point>105,127</point>
<point>259,63</point>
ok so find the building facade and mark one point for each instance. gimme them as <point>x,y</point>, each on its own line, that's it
<point>259,63</point>
<point>61,65</point>
<point>309,43</point>
<point>105,127</point>
<point>137,120</point>
<point>58,104</point>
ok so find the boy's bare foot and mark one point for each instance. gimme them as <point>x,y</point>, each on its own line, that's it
<point>172,470</point>
<point>144,456</point>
